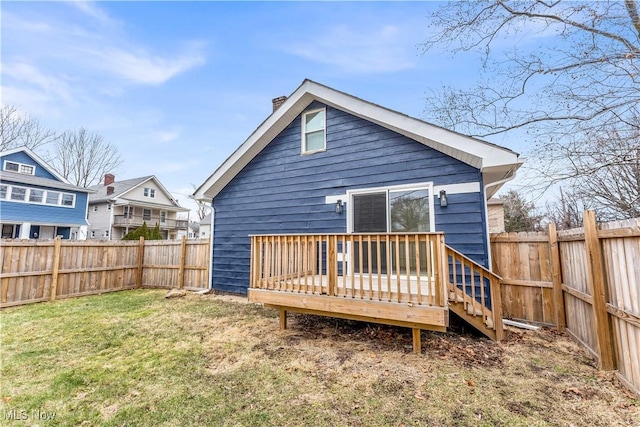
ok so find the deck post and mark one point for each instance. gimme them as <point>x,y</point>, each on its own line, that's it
<point>416,340</point>
<point>283,319</point>
<point>332,264</point>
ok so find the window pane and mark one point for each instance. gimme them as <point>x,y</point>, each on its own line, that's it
<point>146,214</point>
<point>3,192</point>
<point>315,141</point>
<point>52,197</point>
<point>314,121</point>
<point>26,169</point>
<point>409,210</point>
<point>67,200</point>
<point>18,193</point>
<point>10,166</point>
<point>35,196</point>
<point>370,213</point>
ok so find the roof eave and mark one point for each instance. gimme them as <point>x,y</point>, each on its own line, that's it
<point>476,153</point>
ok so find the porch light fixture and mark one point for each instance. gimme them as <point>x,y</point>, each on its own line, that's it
<point>339,206</point>
<point>443,199</point>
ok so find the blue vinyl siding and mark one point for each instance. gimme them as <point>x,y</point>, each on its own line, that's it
<point>282,191</point>
<point>22,157</point>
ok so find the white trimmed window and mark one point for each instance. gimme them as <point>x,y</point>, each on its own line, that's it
<point>37,196</point>
<point>149,192</point>
<point>314,135</point>
<point>53,198</point>
<point>146,214</point>
<point>19,167</point>
<point>18,194</point>
<point>392,209</point>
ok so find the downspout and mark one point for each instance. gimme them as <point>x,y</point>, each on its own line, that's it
<point>486,214</point>
<point>213,216</point>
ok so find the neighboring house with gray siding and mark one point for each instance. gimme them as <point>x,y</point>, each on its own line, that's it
<point>118,207</point>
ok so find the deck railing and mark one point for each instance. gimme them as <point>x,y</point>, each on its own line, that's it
<point>404,268</point>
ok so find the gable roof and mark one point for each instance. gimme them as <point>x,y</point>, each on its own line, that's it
<point>497,164</point>
<point>121,188</point>
<point>38,160</point>
<point>21,178</point>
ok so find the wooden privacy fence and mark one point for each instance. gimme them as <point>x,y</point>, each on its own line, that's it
<point>34,271</point>
<point>584,280</point>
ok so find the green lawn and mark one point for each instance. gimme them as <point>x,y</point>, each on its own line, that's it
<point>135,358</point>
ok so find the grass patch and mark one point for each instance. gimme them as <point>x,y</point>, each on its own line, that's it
<point>135,358</point>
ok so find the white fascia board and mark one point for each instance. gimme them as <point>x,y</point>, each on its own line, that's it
<point>474,152</point>
<point>259,139</point>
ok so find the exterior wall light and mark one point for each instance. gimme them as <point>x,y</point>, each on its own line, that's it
<point>443,199</point>
<point>339,206</point>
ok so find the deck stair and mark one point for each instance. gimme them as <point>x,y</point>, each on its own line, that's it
<point>474,294</point>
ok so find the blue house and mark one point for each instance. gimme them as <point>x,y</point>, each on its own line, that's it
<point>328,163</point>
<point>36,202</point>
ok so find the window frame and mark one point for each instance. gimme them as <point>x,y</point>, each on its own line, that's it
<point>146,217</point>
<point>20,167</point>
<point>304,133</point>
<point>43,201</point>
<point>389,189</point>
<point>149,192</point>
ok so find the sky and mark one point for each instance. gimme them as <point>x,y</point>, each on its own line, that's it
<point>178,86</point>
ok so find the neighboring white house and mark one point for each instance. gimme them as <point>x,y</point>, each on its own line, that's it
<point>495,211</point>
<point>205,227</point>
<point>118,207</point>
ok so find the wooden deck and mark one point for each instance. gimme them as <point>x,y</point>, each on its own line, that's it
<point>410,280</point>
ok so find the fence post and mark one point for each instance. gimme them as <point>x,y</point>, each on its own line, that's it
<point>183,256</point>
<point>140,262</point>
<point>56,267</point>
<point>598,291</point>
<point>556,274</point>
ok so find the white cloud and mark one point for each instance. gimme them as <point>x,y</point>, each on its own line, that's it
<point>92,10</point>
<point>138,66</point>
<point>166,135</point>
<point>378,50</point>
<point>30,75</point>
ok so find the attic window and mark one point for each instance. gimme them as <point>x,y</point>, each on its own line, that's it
<point>19,167</point>
<point>150,192</point>
<point>314,131</point>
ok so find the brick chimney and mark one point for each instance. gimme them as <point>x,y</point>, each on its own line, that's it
<point>109,179</point>
<point>110,189</point>
<point>277,102</point>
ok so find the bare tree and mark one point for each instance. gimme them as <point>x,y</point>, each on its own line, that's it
<point>571,76</point>
<point>18,129</point>
<point>83,157</point>
<point>203,208</point>
<point>567,212</point>
<point>585,72</point>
